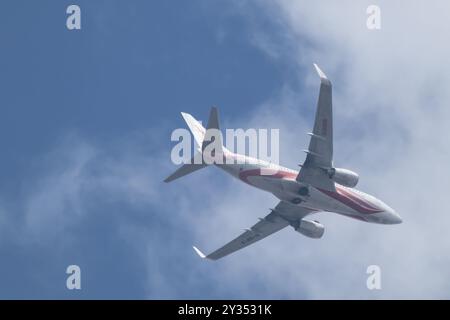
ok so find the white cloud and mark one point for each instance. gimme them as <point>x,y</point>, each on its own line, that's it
<point>76,176</point>
<point>391,113</point>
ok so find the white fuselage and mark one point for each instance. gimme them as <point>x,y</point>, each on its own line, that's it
<point>282,182</point>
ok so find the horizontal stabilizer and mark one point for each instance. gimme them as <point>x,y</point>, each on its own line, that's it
<point>209,144</point>
<point>195,164</point>
<point>196,128</point>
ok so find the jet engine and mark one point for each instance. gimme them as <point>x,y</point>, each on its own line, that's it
<point>311,229</point>
<point>344,177</point>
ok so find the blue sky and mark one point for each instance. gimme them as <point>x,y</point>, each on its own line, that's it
<point>85,133</point>
<point>133,67</point>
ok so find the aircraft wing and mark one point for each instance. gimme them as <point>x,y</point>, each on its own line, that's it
<point>319,156</point>
<point>280,217</point>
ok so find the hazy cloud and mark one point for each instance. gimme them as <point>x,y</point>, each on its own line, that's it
<point>391,115</point>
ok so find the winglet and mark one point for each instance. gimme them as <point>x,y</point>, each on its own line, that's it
<point>200,254</point>
<point>322,75</point>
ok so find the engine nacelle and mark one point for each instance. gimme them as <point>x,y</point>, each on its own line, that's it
<point>311,229</point>
<point>344,177</point>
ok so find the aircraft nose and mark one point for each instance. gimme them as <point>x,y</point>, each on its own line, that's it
<point>394,217</point>
<point>388,215</point>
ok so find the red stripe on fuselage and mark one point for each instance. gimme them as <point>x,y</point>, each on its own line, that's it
<point>342,195</point>
<point>277,174</point>
<point>354,197</point>
<point>361,206</point>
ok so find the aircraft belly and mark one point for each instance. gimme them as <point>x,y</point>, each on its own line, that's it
<point>287,190</point>
<point>265,183</point>
<point>327,203</point>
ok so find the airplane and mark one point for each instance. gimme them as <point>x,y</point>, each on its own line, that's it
<point>317,186</point>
